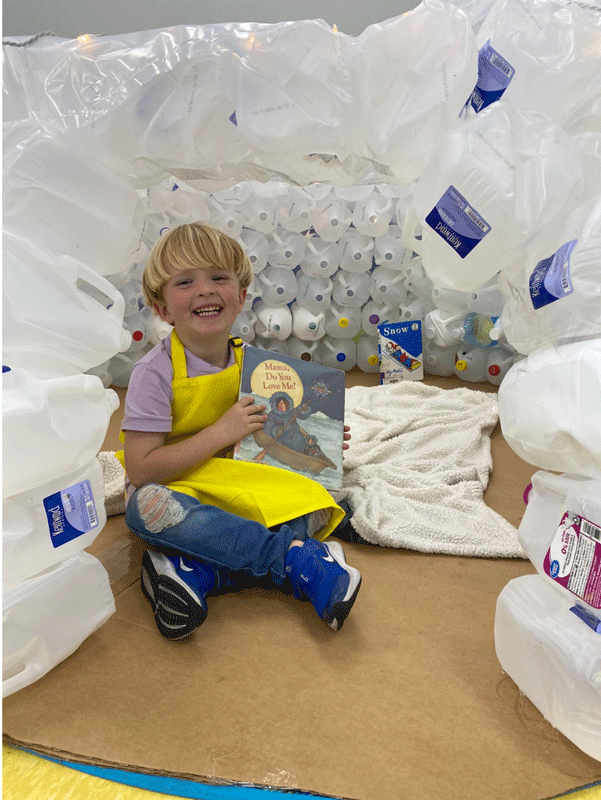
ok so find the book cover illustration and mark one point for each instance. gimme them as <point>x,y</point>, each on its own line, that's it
<point>400,346</point>
<point>304,402</point>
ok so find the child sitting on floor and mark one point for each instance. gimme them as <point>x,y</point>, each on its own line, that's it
<point>210,517</point>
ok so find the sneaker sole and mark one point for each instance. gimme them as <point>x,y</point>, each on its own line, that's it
<point>177,614</point>
<point>177,610</point>
<point>336,615</point>
<point>149,580</point>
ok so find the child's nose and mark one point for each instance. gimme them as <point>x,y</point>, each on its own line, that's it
<point>203,285</point>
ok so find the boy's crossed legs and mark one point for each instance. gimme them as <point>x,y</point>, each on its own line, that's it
<point>211,546</point>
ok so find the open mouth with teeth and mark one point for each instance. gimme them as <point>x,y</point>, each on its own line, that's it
<point>207,311</point>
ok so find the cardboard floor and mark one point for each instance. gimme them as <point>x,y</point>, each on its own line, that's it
<point>408,701</point>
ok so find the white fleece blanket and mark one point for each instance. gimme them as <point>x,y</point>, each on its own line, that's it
<point>418,464</point>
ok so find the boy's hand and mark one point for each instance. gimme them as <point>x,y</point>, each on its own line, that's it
<point>347,436</point>
<point>244,417</point>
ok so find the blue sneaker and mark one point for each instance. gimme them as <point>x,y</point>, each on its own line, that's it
<point>176,588</point>
<point>319,572</point>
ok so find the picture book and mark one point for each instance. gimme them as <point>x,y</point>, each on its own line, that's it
<point>400,346</point>
<point>304,402</point>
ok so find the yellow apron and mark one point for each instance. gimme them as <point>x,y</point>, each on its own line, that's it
<point>265,494</point>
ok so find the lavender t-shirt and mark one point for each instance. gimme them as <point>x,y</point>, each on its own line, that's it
<point>150,394</point>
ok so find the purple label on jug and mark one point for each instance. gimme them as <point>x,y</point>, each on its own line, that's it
<point>70,513</point>
<point>454,220</point>
<point>551,280</point>
<point>494,76</point>
<point>574,558</point>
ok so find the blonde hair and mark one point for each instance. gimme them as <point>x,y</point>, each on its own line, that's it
<point>192,246</point>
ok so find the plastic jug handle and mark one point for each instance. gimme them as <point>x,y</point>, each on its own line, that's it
<point>23,678</point>
<point>126,340</point>
<point>410,228</point>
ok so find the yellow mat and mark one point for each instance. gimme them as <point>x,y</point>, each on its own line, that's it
<point>30,777</point>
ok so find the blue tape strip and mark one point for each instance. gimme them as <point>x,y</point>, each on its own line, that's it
<point>178,787</point>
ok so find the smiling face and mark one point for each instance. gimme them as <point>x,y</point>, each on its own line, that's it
<point>202,305</point>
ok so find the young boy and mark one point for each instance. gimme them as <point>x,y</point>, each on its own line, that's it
<point>214,519</point>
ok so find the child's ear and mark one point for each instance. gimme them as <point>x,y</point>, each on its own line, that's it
<point>243,293</point>
<point>161,310</point>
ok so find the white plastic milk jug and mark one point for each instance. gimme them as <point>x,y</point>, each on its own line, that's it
<point>306,351</point>
<point>414,73</point>
<point>48,616</point>
<point>372,215</point>
<point>357,252</point>
<point>549,408</point>
<point>314,293</point>
<point>56,309</point>
<point>342,322</point>
<point>331,219</point>
<point>416,308</point>
<point>244,326</point>
<point>553,291</point>
<point>256,245</point>
<point>226,218</point>
<point>287,249</point>
<point>322,258</point>
<point>307,324</point>
<point>252,293</point>
<point>339,353</point>
<point>444,328</point>
<point>471,364</point>
<point>553,656</point>
<point>156,328</point>
<point>388,286</point>
<point>57,194</point>
<point>373,314</point>
<point>278,286</point>
<point>295,210</point>
<point>417,282</point>
<point>272,321</point>
<point>438,360</point>
<point>487,300</point>
<point>132,297</point>
<point>260,213</point>
<point>389,250</point>
<point>500,361</point>
<point>497,179</point>
<point>50,426</point>
<point>351,288</point>
<point>137,326</point>
<point>47,524</point>
<point>561,534</point>
<point>542,56</point>
<point>449,299</point>
<point>368,359</point>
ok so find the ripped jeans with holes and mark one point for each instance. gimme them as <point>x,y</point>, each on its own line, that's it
<point>173,521</point>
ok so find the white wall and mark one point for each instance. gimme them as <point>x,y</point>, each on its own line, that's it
<point>69,18</point>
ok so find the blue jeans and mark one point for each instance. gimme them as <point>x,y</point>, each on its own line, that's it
<point>179,522</point>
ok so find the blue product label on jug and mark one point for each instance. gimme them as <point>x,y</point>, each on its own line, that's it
<point>494,76</point>
<point>551,279</point>
<point>71,513</point>
<point>460,225</point>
